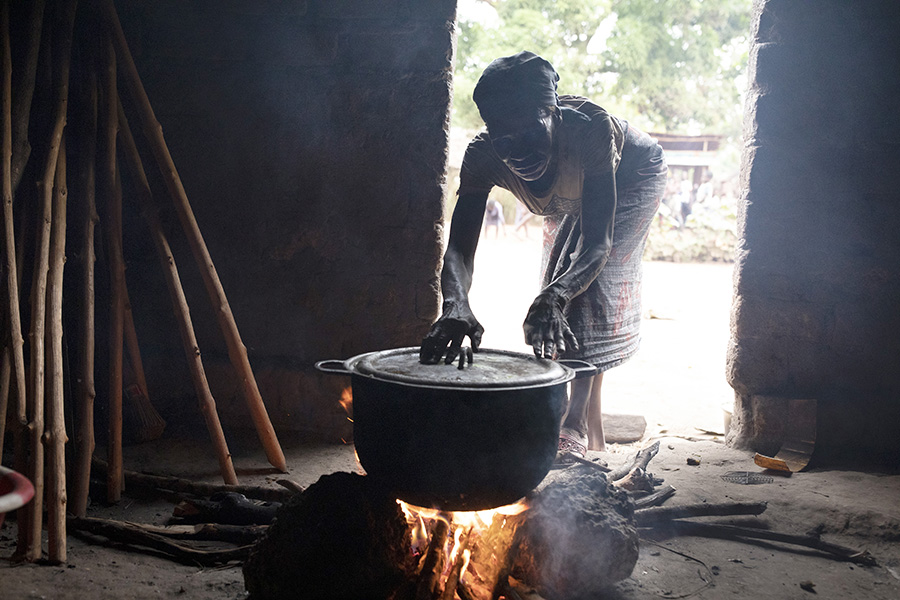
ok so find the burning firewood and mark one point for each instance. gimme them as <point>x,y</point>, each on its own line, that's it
<point>427,586</point>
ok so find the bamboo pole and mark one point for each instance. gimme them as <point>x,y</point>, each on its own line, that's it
<point>55,433</point>
<point>112,223</point>
<point>86,393</point>
<point>179,303</point>
<point>237,352</point>
<point>62,55</point>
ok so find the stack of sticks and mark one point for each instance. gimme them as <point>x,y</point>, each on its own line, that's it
<point>32,386</point>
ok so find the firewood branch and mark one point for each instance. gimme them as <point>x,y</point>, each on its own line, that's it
<point>648,516</point>
<point>198,488</point>
<point>136,538</point>
<point>736,533</point>
<point>641,459</point>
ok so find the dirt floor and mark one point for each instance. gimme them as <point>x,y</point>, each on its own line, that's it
<point>676,382</point>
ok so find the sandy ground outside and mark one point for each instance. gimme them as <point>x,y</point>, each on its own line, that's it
<point>677,378</point>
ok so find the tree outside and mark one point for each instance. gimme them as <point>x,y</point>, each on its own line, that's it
<point>667,66</point>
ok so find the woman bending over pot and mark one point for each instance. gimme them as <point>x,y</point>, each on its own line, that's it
<point>597,182</point>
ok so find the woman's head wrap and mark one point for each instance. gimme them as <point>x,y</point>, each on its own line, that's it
<point>523,80</point>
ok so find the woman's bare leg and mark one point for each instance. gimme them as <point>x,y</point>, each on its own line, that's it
<point>583,414</point>
<point>596,439</point>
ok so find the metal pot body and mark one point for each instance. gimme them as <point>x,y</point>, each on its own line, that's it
<point>455,448</point>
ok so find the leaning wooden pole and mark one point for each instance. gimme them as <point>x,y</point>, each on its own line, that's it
<point>237,352</point>
<point>112,222</point>
<point>86,391</point>
<point>55,432</point>
<point>14,322</point>
<point>179,302</point>
<point>21,104</point>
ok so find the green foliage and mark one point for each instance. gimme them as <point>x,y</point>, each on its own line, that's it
<point>667,65</point>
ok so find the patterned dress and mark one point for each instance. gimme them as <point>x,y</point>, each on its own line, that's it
<point>605,318</point>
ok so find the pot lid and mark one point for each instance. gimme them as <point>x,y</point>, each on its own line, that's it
<point>489,369</point>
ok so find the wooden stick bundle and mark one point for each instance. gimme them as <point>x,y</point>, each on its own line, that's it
<point>237,352</point>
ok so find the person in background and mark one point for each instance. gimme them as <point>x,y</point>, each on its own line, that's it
<point>523,216</point>
<point>597,180</point>
<point>493,217</point>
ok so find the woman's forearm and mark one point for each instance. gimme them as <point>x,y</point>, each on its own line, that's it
<point>598,211</point>
<point>456,276</point>
<point>582,272</point>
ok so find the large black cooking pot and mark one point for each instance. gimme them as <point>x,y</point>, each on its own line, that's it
<point>457,439</point>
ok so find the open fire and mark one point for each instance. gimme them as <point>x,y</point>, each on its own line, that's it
<point>459,554</point>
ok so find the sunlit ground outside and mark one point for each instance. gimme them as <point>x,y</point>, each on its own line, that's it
<point>677,378</point>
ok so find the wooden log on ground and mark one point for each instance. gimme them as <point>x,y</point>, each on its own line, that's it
<point>641,459</point>
<point>658,514</point>
<point>241,535</point>
<point>637,480</point>
<point>179,303</point>
<point>55,432</point>
<point>237,352</point>
<point>654,499</point>
<point>146,481</point>
<point>136,538</point>
<point>227,508</point>
<point>86,391</point>
<point>732,532</point>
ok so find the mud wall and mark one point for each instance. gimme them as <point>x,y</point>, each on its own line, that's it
<point>816,312</point>
<point>311,137</point>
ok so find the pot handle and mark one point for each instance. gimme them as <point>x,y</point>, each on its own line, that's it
<point>581,368</point>
<point>333,367</point>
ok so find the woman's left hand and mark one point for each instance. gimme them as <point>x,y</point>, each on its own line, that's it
<point>546,328</point>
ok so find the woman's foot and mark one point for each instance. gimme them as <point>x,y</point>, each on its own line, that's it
<point>570,441</point>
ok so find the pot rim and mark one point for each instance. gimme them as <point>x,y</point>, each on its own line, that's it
<point>551,372</point>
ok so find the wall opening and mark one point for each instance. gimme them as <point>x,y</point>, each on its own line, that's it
<point>677,379</point>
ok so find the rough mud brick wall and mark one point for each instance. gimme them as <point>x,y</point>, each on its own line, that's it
<point>311,139</point>
<point>817,286</point>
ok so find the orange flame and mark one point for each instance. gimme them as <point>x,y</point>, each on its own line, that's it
<point>347,402</point>
<point>483,572</point>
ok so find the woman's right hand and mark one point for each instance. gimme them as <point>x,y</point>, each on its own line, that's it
<point>446,336</point>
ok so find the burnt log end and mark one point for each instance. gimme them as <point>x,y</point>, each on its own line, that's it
<point>578,538</point>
